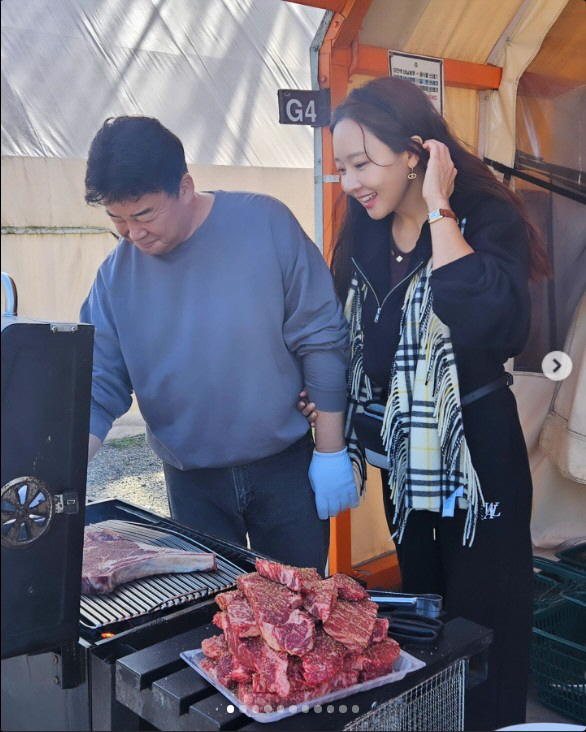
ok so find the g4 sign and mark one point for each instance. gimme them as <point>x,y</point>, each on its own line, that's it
<point>298,107</point>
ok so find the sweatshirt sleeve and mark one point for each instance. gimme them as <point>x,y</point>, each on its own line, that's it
<point>314,327</point>
<point>483,297</point>
<point>111,387</point>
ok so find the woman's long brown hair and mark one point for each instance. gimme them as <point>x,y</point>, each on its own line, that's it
<point>394,110</point>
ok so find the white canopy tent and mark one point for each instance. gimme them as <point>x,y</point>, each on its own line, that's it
<point>208,69</point>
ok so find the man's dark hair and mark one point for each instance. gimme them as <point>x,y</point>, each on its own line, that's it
<point>131,156</point>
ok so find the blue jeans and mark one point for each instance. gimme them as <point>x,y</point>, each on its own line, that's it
<point>271,500</point>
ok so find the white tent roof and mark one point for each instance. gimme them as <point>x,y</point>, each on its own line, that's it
<point>208,69</point>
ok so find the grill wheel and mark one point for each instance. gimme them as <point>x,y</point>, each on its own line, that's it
<point>27,510</point>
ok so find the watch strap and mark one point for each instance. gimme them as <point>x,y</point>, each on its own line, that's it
<point>439,213</point>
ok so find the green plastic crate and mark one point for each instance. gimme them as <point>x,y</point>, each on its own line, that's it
<point>574,556</point>
<point>546,591</point>
<point>552,579</point>
<point>558,656</point>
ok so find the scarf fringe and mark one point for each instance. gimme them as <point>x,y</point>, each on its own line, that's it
<point>359,386</point>
<point>435,347</point>
<point>422,329</point>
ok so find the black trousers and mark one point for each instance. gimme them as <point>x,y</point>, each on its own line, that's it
<point>491,581</point>
<point>270,500</point>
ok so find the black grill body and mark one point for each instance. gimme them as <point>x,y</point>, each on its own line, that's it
<point>46,387</point>
<point>73,686</point>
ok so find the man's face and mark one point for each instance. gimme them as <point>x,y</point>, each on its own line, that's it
<point>155,223</point>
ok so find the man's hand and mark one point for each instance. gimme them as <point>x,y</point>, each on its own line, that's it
<point>332,479</point>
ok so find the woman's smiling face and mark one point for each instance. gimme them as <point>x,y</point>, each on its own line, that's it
<point>369,170</point>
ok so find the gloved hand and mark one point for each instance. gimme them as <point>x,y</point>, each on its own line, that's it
<point>332,479</point>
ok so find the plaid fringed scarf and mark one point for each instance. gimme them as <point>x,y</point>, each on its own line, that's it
<point>430,467</point>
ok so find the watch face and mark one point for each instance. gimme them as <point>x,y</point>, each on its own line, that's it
<point>434,215</point>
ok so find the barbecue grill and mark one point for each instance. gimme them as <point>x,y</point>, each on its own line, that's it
<point>126,674</point>
<point>112,662</point>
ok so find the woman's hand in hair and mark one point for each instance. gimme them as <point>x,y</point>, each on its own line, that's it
<point>438,183</point>
<point>306,408</point>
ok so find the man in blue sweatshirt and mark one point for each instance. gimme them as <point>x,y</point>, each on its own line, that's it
<point>215,309</point>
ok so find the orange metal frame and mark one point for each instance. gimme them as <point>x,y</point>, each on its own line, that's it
<point>372,61</point>
<point>340,57</point>
<point>333,5</point>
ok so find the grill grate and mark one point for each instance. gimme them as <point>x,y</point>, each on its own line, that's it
<point>159,592</point>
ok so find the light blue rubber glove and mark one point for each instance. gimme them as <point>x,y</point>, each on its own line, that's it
<point>332,479</point>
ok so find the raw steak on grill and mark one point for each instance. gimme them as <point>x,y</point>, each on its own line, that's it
<point>295,578</point>
<point>261,684</point>
<point>295,636</point>
<point>352,623</point>
<point>321,598</point>
<point>214,647</point>
<point>225,598</point>
<point>271,602</point>
<point>238,614</point>
<point>349,589</point>
<point>379,659</point>
<point>324,661</point>
<point>241,617</point>
<point>110,560</point>
<point>298,656</point>
<point>282,625</point>
<point>256,656</point>
<point>226,670</point>
<point>267,702</point>
<point>380,631</point>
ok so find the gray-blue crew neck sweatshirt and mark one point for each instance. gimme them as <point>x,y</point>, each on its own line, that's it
<point>217,337</point>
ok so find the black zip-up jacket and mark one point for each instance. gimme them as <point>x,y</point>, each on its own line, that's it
<point>482,297</point>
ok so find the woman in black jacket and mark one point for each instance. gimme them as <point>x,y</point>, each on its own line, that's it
<point>433,260</point>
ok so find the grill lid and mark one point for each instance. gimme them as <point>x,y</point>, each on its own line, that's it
<point>150,594</point>
<point>46,387</point>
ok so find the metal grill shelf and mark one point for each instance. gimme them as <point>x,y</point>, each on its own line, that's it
<point>159,592</point>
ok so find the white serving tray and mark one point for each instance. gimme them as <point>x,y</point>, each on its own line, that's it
<point>404,665</point>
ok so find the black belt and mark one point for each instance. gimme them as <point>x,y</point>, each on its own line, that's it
<point>505,380</point>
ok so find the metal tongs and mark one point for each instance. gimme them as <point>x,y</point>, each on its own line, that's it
<point>430,606</point>
<point>409,627</point>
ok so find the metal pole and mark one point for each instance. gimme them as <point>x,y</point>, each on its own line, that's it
<point>317,137</point>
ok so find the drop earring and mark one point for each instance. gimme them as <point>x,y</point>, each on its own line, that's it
<point>412,174</point>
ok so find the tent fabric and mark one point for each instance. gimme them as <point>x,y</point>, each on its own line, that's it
<point>208,69</point>
<point>461,29</point>
<point>550,143</point>
<point>563,437</point>
<point>559,504</point>
<point>467,30</point>
<point>514,57</point>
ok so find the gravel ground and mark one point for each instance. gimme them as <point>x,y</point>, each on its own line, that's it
<point>128,469</point>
